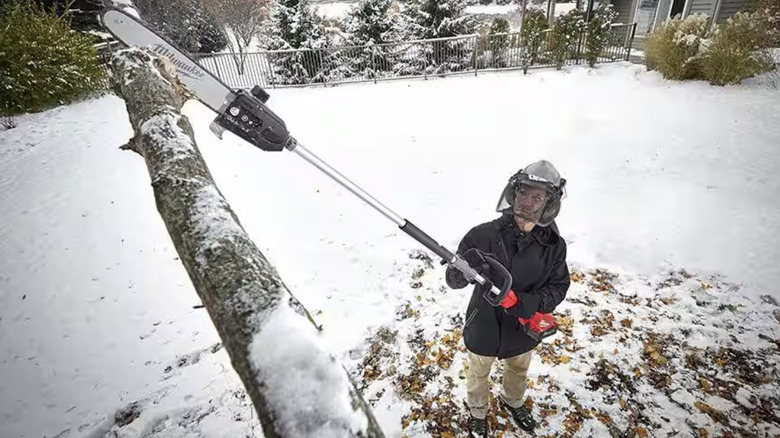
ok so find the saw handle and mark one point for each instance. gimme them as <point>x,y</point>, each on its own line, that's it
<point>496,292</point>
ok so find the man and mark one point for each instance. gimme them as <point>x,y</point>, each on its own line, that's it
<point>526,241</point>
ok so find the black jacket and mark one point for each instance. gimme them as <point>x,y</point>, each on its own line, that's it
<point>537,262</point>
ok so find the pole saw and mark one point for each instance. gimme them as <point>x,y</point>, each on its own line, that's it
<point>245,114</point>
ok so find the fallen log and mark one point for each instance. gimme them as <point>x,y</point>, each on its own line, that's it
<point>297,388</point>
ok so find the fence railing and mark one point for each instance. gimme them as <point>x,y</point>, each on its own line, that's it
<point>410,59</point>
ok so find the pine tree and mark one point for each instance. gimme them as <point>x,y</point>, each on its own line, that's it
<point>440,18</point>
<point>296,26</point>
<point>369,25</point>
<point>185,22</point>
<point>428,19</point>
<point>296,29</point>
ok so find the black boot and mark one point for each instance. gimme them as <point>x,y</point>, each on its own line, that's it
<point>521,416</point>
<point>478,428</point>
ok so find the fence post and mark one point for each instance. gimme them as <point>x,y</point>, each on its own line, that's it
<point>579,46</point>
<point>631,42</point>
<point>373,61</point>
<point>474,52</point>
<point>270,62</point>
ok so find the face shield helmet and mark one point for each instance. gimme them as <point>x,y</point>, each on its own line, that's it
<point>534,194</point>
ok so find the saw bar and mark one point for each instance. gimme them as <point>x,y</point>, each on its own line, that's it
<point>135,33</point>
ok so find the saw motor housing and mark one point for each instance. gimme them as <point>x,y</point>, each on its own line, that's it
<point>246,115</point>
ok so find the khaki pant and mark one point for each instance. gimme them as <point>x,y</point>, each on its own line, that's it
<point>513,383</point>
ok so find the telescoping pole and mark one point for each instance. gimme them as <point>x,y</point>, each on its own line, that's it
<point>408,227</point>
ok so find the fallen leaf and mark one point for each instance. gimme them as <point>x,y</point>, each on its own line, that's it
<point>705,386</point>
<point>641,432</point>
<point>622,404</point>
<point>564,359</point>
<point>703,433</point>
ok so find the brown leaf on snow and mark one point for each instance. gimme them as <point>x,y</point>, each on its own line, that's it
<point>641,432</point>
<point>653,351</point>
<point>576,276</point>
<point>565,324</point>
<point>715,414</point>
<point>705,386</point>
<point>626,322</point>
<point>601,281</point>
<point>703,433</point>
<point>602,324</point>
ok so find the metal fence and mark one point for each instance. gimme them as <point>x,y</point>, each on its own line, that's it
<point>410,59</point>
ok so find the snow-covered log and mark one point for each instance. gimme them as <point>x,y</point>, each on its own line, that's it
<point>298,388</point>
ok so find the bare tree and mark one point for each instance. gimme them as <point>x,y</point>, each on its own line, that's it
<point>296,387</point>
<point>243,19</point>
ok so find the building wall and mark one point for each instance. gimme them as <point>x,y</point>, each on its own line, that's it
<point>624,9</point>
<point>702,6</point>
<point>729,8</point>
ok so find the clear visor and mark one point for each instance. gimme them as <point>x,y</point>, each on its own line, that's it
<point>526,199</point>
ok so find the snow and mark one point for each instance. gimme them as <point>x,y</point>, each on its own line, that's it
<point>159,128</point>
<point>95,305</point>
<point>309,387</point>
<point>492,9</point>
<point>333,10</point>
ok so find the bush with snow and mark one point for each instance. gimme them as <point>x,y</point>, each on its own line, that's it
<point>673,47</point>
<point>566,35</point>
<point>735,51</point>
<point>599,32</point>
<point>535,24</point>
<point>726,53</point>
<point>769,14</point>
<point>42,62</point>
<point>498,41</point>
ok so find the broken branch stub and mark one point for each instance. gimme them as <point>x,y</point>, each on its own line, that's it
<point>297,388</point>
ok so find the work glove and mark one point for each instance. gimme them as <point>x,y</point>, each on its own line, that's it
<point>476,259</point>
<point>527,305</point>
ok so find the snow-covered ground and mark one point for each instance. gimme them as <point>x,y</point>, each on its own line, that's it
<point>672,197</point>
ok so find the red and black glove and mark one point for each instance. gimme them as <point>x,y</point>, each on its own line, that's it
<point>525,305</point>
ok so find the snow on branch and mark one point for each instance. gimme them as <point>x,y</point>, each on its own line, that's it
<point>298,389</point>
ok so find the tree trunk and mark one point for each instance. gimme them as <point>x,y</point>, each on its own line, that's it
<point>297,388</point>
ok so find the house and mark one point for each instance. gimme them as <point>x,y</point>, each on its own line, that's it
<point>650,13</point>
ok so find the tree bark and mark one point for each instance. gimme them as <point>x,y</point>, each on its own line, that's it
<point>297,388</point>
